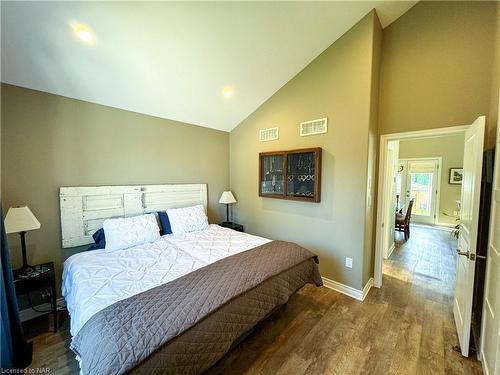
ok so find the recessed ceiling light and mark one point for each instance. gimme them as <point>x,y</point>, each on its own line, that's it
<point>227,92</point>
<point>84,33</point>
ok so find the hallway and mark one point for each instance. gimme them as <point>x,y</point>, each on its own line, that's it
<point>427,258</point>
<point>421,273</point>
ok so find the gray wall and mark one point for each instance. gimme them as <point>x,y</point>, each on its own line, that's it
<point>337,85</point>
<point>451,149</point>
<point>495,86</point>
<point>50,141</point>
<point>438,67</point>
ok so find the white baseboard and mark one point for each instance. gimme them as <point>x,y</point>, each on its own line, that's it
<point>367,287</point>
<point>391,249</point>
<point>439,226</point>
<point>360,295</point>
<point>445,226</point>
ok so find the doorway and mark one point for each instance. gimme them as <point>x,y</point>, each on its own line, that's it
<point>419,179</point>
<point>416,168</point>
<point>446,207</point>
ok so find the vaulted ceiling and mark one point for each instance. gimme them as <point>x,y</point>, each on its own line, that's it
<point>173,59</point>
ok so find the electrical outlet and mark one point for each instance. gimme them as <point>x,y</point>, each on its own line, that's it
<point>348,262</point>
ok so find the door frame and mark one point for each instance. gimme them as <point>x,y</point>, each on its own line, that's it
<point>382,200</point>
<point>492,252</point>
<point>438,183</point>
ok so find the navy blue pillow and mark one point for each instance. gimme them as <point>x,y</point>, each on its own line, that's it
<point>165,222</point>
<point>99,239</point>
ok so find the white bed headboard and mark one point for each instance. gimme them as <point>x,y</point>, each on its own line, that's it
<point>83,209</point>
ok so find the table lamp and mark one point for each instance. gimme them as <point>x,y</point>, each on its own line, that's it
<point>20,220</point>
<point>227,198</point>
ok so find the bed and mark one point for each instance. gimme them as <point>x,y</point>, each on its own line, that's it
<point>95,279</point>
<point>178,304</point>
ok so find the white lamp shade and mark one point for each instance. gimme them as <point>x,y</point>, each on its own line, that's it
<point>20,219</point>
<point>227,197</point>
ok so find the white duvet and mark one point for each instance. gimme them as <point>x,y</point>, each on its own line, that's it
<point>93,280</point>
<point>215,243</point>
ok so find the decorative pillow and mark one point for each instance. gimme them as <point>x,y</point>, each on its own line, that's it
<point>165,222</point>
<point>188,219</point>
<point>123,233</point>
<point>99,239</point>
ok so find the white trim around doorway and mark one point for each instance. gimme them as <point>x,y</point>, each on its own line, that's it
<point>381,197</point>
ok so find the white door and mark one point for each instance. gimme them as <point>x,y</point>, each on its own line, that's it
<point>467,241</point>
<point>420,179</point>
<point>490,336</point>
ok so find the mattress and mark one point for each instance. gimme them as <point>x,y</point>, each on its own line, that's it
<point>215,243</point>
<point>94,280</point>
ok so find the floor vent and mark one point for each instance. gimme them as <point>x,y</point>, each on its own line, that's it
<point>312,127</point>
<point>270,134</point>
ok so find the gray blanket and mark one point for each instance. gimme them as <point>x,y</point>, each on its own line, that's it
<point>121,336</point>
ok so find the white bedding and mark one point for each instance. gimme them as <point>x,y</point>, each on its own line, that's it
<point>215,243</point>
<point>93,280</point>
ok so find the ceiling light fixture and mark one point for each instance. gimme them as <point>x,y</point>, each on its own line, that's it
<point>84,33</point>
<point>227,92</point>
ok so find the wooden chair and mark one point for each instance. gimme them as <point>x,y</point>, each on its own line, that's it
<point>403,221</point>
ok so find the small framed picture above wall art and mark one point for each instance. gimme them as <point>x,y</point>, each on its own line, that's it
<point>456,176</point>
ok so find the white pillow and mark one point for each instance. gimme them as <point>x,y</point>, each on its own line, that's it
<point>187,219</point>
<point>122,233</point>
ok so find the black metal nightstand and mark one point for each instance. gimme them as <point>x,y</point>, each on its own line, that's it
<point>234,226</point>
<point>42,277</point>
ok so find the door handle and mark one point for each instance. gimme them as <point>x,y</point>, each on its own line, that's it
<point>469,255</point>
<point>464,253</point>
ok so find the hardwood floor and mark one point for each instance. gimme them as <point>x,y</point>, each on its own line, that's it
<point>51,350</point>
<point>406,327</point>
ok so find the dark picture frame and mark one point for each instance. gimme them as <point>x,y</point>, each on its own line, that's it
<point>277,169</point>
<point>456,176</point>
